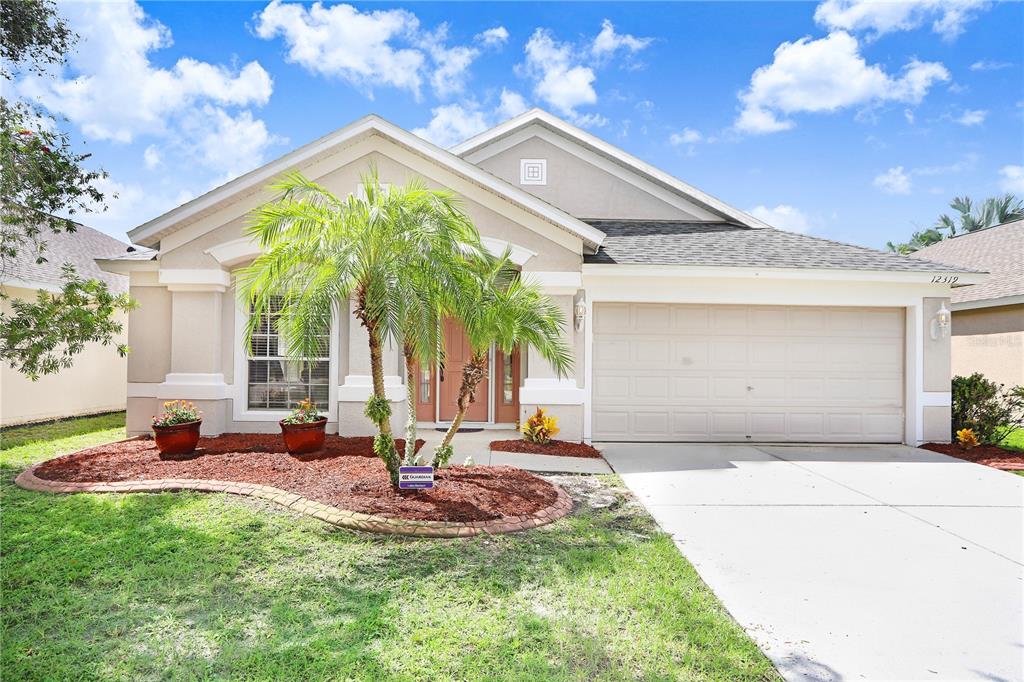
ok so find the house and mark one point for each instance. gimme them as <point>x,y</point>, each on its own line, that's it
<point>96,381</point>
<point>690,320</point>
<point>988,318</point>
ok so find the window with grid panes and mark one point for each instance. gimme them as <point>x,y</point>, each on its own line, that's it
<point>278,382</point>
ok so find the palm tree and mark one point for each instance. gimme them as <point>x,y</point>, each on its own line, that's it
<point>992,211</point>
<point>496,307</point>
<point>321,250</point>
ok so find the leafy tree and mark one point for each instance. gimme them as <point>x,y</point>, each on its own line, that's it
<point>42,183</point>
<point>969,217</point>
<point>498,308</point>
<point>391,251</point>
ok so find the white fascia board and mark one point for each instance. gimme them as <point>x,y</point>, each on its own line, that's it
<point>198,277</point>
<point>988,303</point>
<point>149,233</point>
<point>124,266</point>
<point>611,151</point>
<point>920,277</point>
<point>30,284</point>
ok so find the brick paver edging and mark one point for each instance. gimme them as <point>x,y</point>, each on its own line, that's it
<point>339,517</point>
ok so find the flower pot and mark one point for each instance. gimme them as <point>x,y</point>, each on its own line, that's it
<point>302,438</point>
<point>179,439</point>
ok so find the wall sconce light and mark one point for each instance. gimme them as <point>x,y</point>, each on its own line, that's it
<point>940,323</point>
<point>579,313</point>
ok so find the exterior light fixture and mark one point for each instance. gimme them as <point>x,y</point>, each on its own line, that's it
<point>579,313</point>
<point>941,323</point>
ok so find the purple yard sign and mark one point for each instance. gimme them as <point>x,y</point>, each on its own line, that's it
<point>415,478</point>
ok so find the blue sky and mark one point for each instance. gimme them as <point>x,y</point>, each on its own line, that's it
<point>844,119</point>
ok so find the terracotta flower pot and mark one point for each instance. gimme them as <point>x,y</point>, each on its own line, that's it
<point>302,438</point>
<point>179,439</point>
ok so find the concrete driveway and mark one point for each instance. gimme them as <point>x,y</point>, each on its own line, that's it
<point>849,563</point>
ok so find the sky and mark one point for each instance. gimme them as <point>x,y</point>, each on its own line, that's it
<point>851,120</point>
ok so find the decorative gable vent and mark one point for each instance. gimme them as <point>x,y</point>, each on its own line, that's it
<point>533,171</point>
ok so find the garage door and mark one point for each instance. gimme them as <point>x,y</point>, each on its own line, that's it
<point>747,373</point>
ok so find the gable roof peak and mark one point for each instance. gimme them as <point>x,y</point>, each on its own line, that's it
<point>592,143</point>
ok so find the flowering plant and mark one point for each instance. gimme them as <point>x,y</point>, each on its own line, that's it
<point>966,438</point>
<point>540,428</point>
<point>305,412</point>
<point>177,412</point>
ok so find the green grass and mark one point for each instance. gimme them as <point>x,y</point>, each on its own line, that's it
<point>1014,442</point>
<point>192,586</point>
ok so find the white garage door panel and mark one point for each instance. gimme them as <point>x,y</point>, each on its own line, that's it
<point>689,372</point>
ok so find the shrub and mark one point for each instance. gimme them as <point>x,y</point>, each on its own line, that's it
<point>305,412</point>
<point>540,428</point>
<point>177,412</point>
<point>988,409</point>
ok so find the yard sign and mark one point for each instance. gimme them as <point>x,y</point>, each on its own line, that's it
<point>415,478</point>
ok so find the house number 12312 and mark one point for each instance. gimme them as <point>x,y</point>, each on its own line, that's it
<point>944,279</point>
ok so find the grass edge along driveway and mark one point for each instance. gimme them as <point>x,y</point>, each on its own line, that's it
<point>193,586</point>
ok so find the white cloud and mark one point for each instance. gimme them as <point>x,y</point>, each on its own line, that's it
<point>564,73</point>
<point>972,117</point>
<point>989,66</point>
<point>344,42</point>
<point>784,217</point>
<point>560,81</point>
<point>230,145</point>
<point>685,136</point>
<point>608,42</point>
<point>151,157</point>
<point>380,48</point>
<point>1012,179</point>
<point>453,123</point>
<point>493,37</point>
<point>893,181</point>
<point>113,90</point>
<point>949,17</point>
<point>512,104</point>
<point>826,75</point>
<point>968,162</point>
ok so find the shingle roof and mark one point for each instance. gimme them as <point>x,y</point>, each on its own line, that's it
<point>79,248</point>
<point>998,250</point>
<point>659,242</point>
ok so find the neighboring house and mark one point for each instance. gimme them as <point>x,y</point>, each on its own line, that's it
<point>96,381</point>
<point>988,318</point>
<point>689,319</point>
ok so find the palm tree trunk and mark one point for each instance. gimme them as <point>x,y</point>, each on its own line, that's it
<point>410,395</point>
<point>377,373</point>
<point>473,373</point>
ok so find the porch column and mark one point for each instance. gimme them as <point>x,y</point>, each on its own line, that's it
<point>560,396</point>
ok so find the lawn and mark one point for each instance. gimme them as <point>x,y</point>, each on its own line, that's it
<point>1014,442</point>
<point>193,586</point>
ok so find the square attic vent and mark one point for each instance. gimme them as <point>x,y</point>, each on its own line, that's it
<point>533,171</point>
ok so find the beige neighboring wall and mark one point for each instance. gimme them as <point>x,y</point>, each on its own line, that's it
<point>149,333</point>
<point>95,383</point>
<point>990,341</point>
<point>581,189</point>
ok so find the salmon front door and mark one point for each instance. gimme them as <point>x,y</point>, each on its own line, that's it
<point>457,354</point>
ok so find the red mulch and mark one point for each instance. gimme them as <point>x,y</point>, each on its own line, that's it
<point>346,474</point>
<point>989,455</point>
<point>561,448</point>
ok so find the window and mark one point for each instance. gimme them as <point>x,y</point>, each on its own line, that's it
<point>425,385</point>
<point>506,379</point>
<point>533,171</point>
<point>276,381</point>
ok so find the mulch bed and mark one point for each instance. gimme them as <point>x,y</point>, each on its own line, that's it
<point>346,474</point>
<point>559,448</point>
<point>989,455</point>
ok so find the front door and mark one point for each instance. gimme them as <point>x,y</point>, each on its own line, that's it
<point>457,354</point>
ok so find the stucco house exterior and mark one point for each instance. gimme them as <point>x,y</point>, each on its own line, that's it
<point>988,318</point>
<point>690,320</point>
<point>96,382</point>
